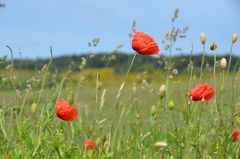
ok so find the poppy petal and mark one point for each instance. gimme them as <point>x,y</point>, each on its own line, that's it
<point>89,144</point>
<point>202,91</point>
<point>144,44</point>
<point>235,135</point>
<point>65,111</point>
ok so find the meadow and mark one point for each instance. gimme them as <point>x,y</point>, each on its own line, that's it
<point>143,108</point>
<point>137,119</point>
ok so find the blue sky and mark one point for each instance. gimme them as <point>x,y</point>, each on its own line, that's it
<point>68,26</point>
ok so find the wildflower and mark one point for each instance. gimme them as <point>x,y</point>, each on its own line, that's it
<point>223,63</point>
<point>162,91</point>
<point>144,44</point>
<point>89,144</point>
<point>160,144</point>
<point>235,135</point>
<point>203,38</point>
<point>175,71</point>
<point>65,111</point>
<point>234,38</point>
<point>201,92</point>
<point>213,46</point>
<point>171,105</point>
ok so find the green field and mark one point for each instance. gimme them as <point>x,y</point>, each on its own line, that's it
<point>124,127</point>
<point>107,89</point>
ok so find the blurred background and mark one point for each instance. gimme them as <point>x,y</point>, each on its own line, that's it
<point>31,27</point>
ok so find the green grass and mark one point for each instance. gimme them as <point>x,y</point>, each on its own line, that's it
<point>123,128</point>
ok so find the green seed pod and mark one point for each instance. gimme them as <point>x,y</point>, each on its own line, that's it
<point>153,110</point>
<point>138,116</point>
<point>182,145</point>
<point>213,46</point>
<point>171,105</point>
<point>33,107</point>
<point>234,38</point>
<point>238,121</point>
<point>222,89</point>
<point>98,141</point>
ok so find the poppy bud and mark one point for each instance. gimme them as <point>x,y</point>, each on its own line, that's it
<point>153,110</point>
<point>238,121</point>
<point>171,105</point>
<point>234,38</point>
<point>182,145</point>
<point>160,144</point>
<point>222,89</point>
<point>162,91</point>
<point>213,46</point>
<point>98,141</point>
<point>203,38</point>
<point>33,107</point>
<point>138,116</point>
<point>223,63</point>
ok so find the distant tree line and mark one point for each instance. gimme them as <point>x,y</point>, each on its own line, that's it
<point>118,61</point>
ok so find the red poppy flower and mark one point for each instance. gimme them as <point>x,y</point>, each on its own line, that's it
<point>200,92</point>
<point>144,44</point>
<point>65,111</point>
<point>89,144</point>
<point>235,135</point>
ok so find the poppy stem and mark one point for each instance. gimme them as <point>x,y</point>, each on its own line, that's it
<point>126,76</point>
<point>230,59</point>
<point>3,130</point>
<point>58,152</point>
<point>45,76</point>
<point>130,67</point>
<point>222,89</point>
<point>202,63</point>
<point>12,63</point>
<point>233,89</point>
<point>215,84</point>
